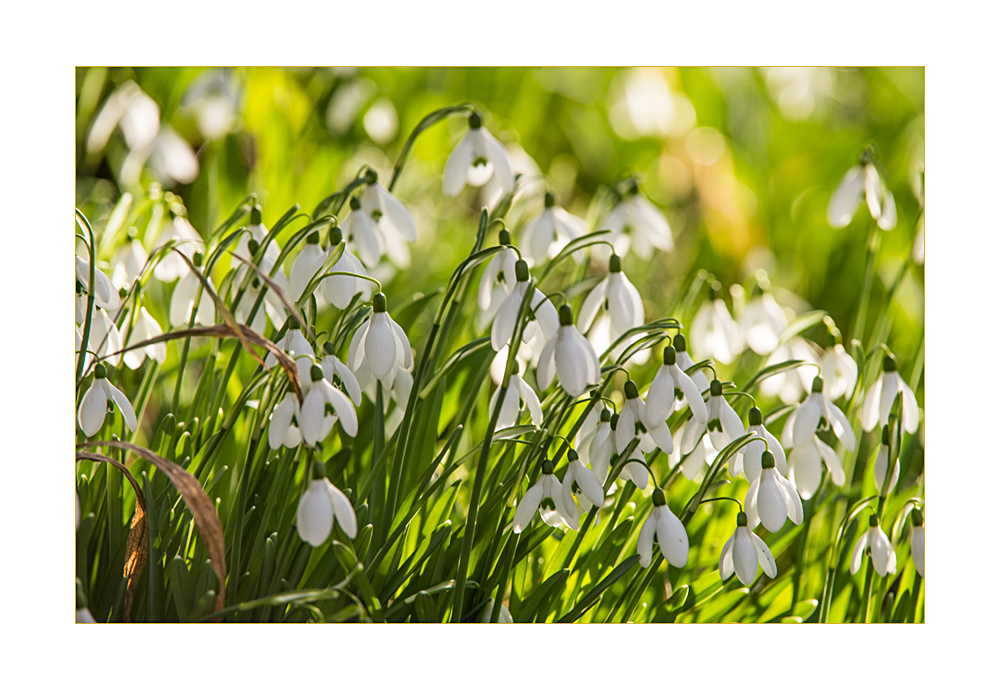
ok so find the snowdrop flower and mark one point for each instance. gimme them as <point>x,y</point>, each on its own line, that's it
<point>878,400</point>
<point>391,219</point>
<point>634,469</point>
<point>602,446</point>
<point>340,290</point>
<point>284,429</point>
<point>882,553</point>
<point>743,552</point>
<point>581,484</point>
<point>105,335</point>
<point>634,421</point>
<point>105,294</point>
<point>296,346</point>
<point>667,531</point>
<point>790,386</point>
<point>96,402</point>
<point>754,450</point>
<point>322,407</point>
<point>506,319</point>
<point>544,496</point>
<point>487,616</point>
<point>840,372</point>
<point>618,296</point>
<point>380,343</point>
<point>714,330</point>
<point>247,248</point>
<point>704,453</point>
<point>361,232</point>
<point>476,159</point>
<point>684,362</point>
<point>881,468</point>
<point>817,413</point>
<point>332,366</point>
<point>517,391</point>
<point>635,222</point>
<point>499,274</point>
<point>188,241</point>
<point>762,323</point>
<point>771,498</point>
<point>183,298</point>
<point>146,328</point>
<point>128,264</point>
<point>308,262</point>
<point>545,236</point>
<point>723,425</point>
<point>589,426</point>
<point>864,180</point>
<point>805,469</point>
<point>212,98</point>
<point>917,540</point>
<point>571,355</point>
<point>321,502</point>
<point>672,388</point>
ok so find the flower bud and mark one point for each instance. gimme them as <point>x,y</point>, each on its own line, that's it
<point>669,355</point>
<point>547,467</point>
<point>293,324</point>
<point>767,460</point>
<point>122,292</point>
<point>255,215</point>
<point>565,315</point>
<point>355,203</point>
<point>741,519</point>
<point>680,342</point>
<point>371,177</point>
<point>521,271</point>
<point>197,258</point>
<point>817,386</point>
<point>505,237</point>
<point>716,387</point>
<point>658,498</point>
<point>475,121</point>
<point>614,421</point>
<point>889,363</point>
<point>379,304</point>
<point>631,391</point>
<point>336,236</point>
<point>755,418</point>
<point>885,435</point>
<point>315,372</point>
<point>100,371</point>
<point>615,264</point>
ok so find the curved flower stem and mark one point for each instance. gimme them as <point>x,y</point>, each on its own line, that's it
<point>872,246</point>
<point>82,220</point>
<point>428,121</point>
<point>827,597</point>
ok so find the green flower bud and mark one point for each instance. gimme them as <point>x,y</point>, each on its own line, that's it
<point>755,418</point>
<point>371,177</point>
<point>293,324</point>
<point>767,460</point>
<point>319,470</point>
<point>716,387</point>
<point>122,292</point>
<point>614,421</point>
<point>315,372</point>
<point>658,498</point>
<point>253,245</point>
<point>631,391</point>
<point>197,258</point>
<point>100,371</point>
<point>885,435</point>
<point>379,303</point>
<point>669,355</point>
<point>521,271</point>
<point>565,315</point>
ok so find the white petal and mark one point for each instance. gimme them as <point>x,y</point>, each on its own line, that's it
<point>917,549</point>
<point>404,356</point>
<point>859,552</point>
<point>530,400</point>
<point>571,362</point>
<point>672,536</point>
<point>832,461</point>
<point>526,507</point>
<point>311,416</point>
<point>771,502</point>
<point>881,549</point>
<point>343,510</point>
<point>764,556</point>
<point>745,557</point>
<point>645,545</point>
<point>591,305</point>
<point>347,377</point>
<point>545,314</point>
<point>890,386</point>
<point>314,516</point>
<point>506,318</point>
<point>546,365</point>
<point>792,502</point>
<point>693,396</point>
<point>805,469</point>
<point>845,200</point>
<point>841,427</point>
<point>380,346</point>
<point>726,559</point>
<point>123,404</point>
<point>281,419</point>
<point>750,503</point>
<point>588,483</point>
<point>356,350</point>
<point>93,409</point>
<point>457,167</point>
<point>870,409</point>
<point>911,412</point>
<point>807,420</point>
<point>395,213</point>
<point>342,406</point>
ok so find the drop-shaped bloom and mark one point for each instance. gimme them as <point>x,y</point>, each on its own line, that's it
<point>616,295</point>
<point>743,552</point>
<point>862,181</point>
<point>500,273</point>
<point>771,498</point>
<point>333,367</point>
<point>516,392</point>
<point>723,426</point>
<point>505,321</point>
<point>545,496</point>
<point>878,400</point>
<point>183,298</point>
<point>881,469</point>
<point>322,407</point>
<point>840,372</point>
<point>684,362</point>
<point>805,466</point>
<point>391,219</point>
<point>321,502</point>
<point>882,553</point>
<point>634,422</point>
<point>128,264</point>
<point>589,425</point>
<point>146,328</point>
<point>296,346</point>
<point>284,428</point>
<point>790,386</point>
<point>187,241</point>
<point>634,466</point>
<point>544,237</point>
<point>753,451</point>
<point>672,388</point>
<point>644,226</point>
<point>340,290</point>
<point>761,323</point>
<point>307,264</point>
<point>98,400</point>
<point>714,331</point>
<point>917,540</point>
<point>704,453</point>
<point>817,413</point>
<point>602,446</point>
<point>571,356</point>
<point>105,294</point>
<point>380,342</point>
<point>667,531</point>
<point>105,339</point>
<point>476,159</point>
<point>580,484</point>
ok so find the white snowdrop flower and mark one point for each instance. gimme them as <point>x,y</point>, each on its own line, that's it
<point>487,616</point>
<point>247,247</point>
<point>171,266</point>
<point>634,469</point>
<point>296,346</point>
<point>544,237</point>
<point>391,219</point>
<point>498,367</point>
<point>476,159</point>
<point>917,540</point>
<point>881,469</point>
<point>723,426</point>
<point>771,498</point>
<point>790,386</point>
<point>571,355</point>
<point>506,319</point>
<point>762,322</point>
<point>322,407</point>
<point>360,231</point>
<point>545,496</point>
<point>284,429</point>
<point>517,391</point>
<point>105,293</point>
<point>753,451</point>
<point>321,502</point>
<point>332,366</point>
<point>182,302</point>
<point>643,224</point>
<point>307,264</point>
<point>714,330</point>
<point>132,109</point>
<point>882,553</point>
<point>601,447</point>
<point>97,402</point>
<point>878,400</point>
<point>589,425</point>
<point>634,421</point>
<point>616,295</point>
<point>499,276</point>
<point>672,388</point>
<point>128,264</point>
<point>864,180</point>
<point>105,338</point>
<point>684,362</point>
<point>743,552</point>
<point>840,372</point>
<point>667,531</point>
<point>816,413</point>
<point>380,342</point>
<point>580,483</point>
<point>704,453</point>
<point>212,97</point>
<point>340,290</point>
<point>146,328</point>
<point>805,467</point>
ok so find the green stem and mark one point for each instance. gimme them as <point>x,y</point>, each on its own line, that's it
<point>872,245</point>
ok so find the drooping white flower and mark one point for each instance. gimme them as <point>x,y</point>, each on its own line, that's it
<point>672,388</point>
<point>634,467</point>
<point>322,406</point>
<point>213,98</point>
<point>864,180</point>
<point>881,468</point>
<point>505,321</point>
<point>96,401</point>
<point>761,323</point>
<point>840,372</point>
<point>704,453</point>
<point>284,429</point>
<point>307,264</point>
<point>182,302</point>
<point>332,366</point>
<point>499,276</point>
<point>771,498</point>
<point>544,237</point>
<point>105,338</point>
<point>636,223</point>
<point>723,426</point>
<point>714,331</point>
<point>753,451</point>
<point>634,421</point>
<point>545,496</point>
<point>790,386</point>
<point>247,248</point>
<point>580,483</point>
<point>618,296</point>
<point>360,230</point>
<point>817,413</point>
<point>380,343</point>
<point>879,399</point>
<point>105,294</point>
<point>128,264</point>
<point>391,220</point>
<point>296,346</point>
<point>589,426</point>
<point>805,466</point>
<point>601,447</point>
<point>663,527</point>
<point>171,266</point>
<point>321,502</point>
<point>743,552</point>
<point>684,362</point>
<point>146,328</point>
<point>917,540</point>
<point>487,616</point>
<point>476,159</point>
<point>339,290</point>
<point>517,391</point>
<point>882,553</point>
<point>571,355</point>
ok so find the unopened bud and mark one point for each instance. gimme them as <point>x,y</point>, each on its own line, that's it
<point>572,455</point>
<point>873,520</point>
<point>379,303</point>
<point>767,460</point>
<point>253,245</point>
<point>565,315</point>
<point>521,271</point>
<point>316,372</point>
<point>716,387</point>
<point>371,177</point>
<point>312,238</point>
<point>917,517</point>
<point>885,435</point>
<point>355,203</point>
<point>336,236</point>
<point>197,258</point>
<point>605,415</point>
<point>755,418</point>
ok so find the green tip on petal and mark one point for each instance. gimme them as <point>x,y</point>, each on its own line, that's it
<point>565,315</point>
<point>889,363</point>
<point>255,215</point>
<point>355,204</point>
<point>379,303</point>
<point>505,238</point>
<point>572,455</point>
<point>521,271</point>
<point>319,470</point>
<point>550,200</point>
<point>547,467</point>
<point>817,386</point>
<point>917,517</point>
<point>312,238</point>
<point>329,349</point>
<point>315,372</point>
<point>755,417</point>
<point>669,355</point>
<point>605,415</point>
<point>767,460</point>
<point>615,264</point>
<point>475,120</point>
<point>658,498</point>
<point>336,236</point>
<point>741,519</point>
<point>680,342</point>
<point>631,391</point>
<point>100,371</point>
<point>873,520</point>
<point>716,387</point>
<point>293,324</point>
